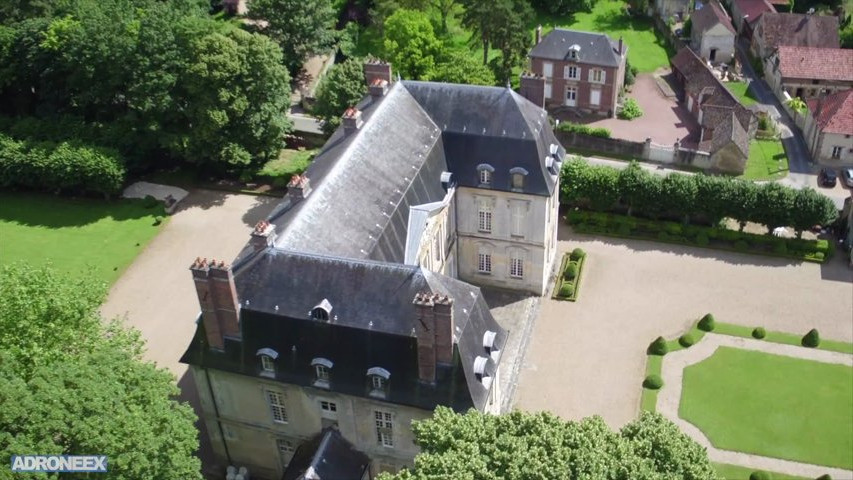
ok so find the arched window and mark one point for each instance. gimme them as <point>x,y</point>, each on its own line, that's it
<point>378,381</point>
<point>484,174</point>
<point>322,311</point>
<point>268,357</point>
<point>322,371</point>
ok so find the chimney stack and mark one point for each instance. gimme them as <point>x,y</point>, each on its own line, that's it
<point>263,235</point>
<point>299,186</point>
<point>442,311</point>
<point>351,120</point>
<point>533,88</point>
<point>425,331</point>
<point>374,69</point>
<point>217,295</point>
<point>538,35</point>
<point>378,88</point>
<point>621,50</point>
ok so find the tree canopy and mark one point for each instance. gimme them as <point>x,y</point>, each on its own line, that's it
<point>75,385</point>
<point>411,44</point>
<point>343,86</point>
<point>523,445</point>
<point>502,24</point>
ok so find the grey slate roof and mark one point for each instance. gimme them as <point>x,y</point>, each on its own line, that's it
<point>596,48</point>
<point>327,456</point>
<point>371,322</point>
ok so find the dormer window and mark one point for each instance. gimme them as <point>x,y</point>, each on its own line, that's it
<point>322,370</point>
<point>489,345</point>
<point>484,173</point>
<point>517,176</point>
<point>574,50</point>
<point>321,311</point>
<point>378,381</point>
<point>268,357</point>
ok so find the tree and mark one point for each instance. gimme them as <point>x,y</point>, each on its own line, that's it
<point>679,195</point>
<point>72,384</point>
<point>563,7</point>
<point>300,27</point>
<point>541,445</point>
<point>501,24</point>
<point>444,8</point>
<point>382,9</point>
<point>411,44</point>
<point>773,205</point>
<point>810,208</point>
<point>797,104</point>
<point>459,67</point>
<point>342,87</point>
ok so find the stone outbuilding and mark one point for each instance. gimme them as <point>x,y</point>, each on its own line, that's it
<point>712,36</point>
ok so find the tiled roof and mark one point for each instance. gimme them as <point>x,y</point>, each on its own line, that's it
<point>798,29</point>
<point>595,48</point>
<point>816,63</point>
<point>708,16</point>
<point>834,113</point>
<point>753,9</point>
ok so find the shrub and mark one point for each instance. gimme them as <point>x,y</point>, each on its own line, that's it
<point>583,129</point>
<point>818,256</point>
<point>663,237</point>
<point>741,245</point>
<point>822,246</point>
<point>811,339</point>
<point>686,340</point>
<point>673,228</point>
<point>567,290</point>
<point>630,110</point>
<point>780,248</point>
<point>577,254</point>
<point>624,230</point>
<point>577,216</point>
<point>702,239</point>
<point>759,333</point>
<point>759,475</point>
<point>658,347</point>
<point>653,382</point>
<point>825,476</point>
<point>707,323</point>
<point>149,202</point>
<point>571,271</point>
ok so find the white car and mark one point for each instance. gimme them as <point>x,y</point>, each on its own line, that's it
<point>847,175</point>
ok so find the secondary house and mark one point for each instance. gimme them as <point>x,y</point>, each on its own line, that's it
<point>773,30</point>
<point>712,35</point>
<point>809,72</point>
<point>828,129</point>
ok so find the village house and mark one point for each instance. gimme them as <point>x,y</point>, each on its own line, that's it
<point>745,14</point>
<point>809,72</point>
<point>712,35</point>
<point>583,72</point>
<point>726,126</point>
<point>355,305</point>
<point>773,30</point>
<point>828,129</point>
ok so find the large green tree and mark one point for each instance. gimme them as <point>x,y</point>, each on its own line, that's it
<point>300,27</point>
<point>344,86</point>
<point>411,44</point>
<point>522,445</point>
<point>73,384</point>
<point>459,67</point>
<point>502,24</point>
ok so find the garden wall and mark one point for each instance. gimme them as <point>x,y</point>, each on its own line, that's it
<point>648,150</point>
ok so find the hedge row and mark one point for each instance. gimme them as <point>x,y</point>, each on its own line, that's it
<point>568,282</point>
<point>672,232</point>
<point>692,197</point>
<point>583,129</point>
<point>59,167</point>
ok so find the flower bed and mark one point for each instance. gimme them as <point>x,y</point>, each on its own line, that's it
<point>568,283</point>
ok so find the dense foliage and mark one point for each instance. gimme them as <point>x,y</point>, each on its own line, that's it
<point>458,67</point>
<point>342,87</point>
<point>300,27</point>
<point>63,167</point>
<point>630,110</point>
<point>688,197</point>
<point>503,25</point>
<point>583,129</point>
<point>72,384</point>
<point>523,445</point>
<point>563,7</point>
<point>411,44</point>
<point>156,80</point>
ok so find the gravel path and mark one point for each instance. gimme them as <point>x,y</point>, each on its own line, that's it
<point>669,398</point>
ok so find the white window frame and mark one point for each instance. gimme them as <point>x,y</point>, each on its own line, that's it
<point>328,408</point>
<point>547,70</point>
<point>597,75</point>
<point>485,176</point>
<point>285,450</point>
<point>517,180</point>
<point>837,151</point>
<point>517,216</point>
<point>267,364</point>
<point>592,96</point>
<point>377,382</point>
<point>384,426</point>
<point>484,216</point>
<point>484,262</point>
<point>516,266</point>
<point>567,72</point>
<point>278,409</point>
<point>321,372</point>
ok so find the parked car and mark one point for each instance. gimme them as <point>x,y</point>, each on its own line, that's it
<point>827,177</point>
<point>847,175</point>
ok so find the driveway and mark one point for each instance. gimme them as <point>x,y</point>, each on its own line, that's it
<point>663,120</point>
<point>588,358</point>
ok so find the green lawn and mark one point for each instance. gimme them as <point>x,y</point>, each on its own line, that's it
<point>742,92</point>
<point>772,405</point>
<point>767,160</point>
<point>736,472</point>
<point>288,163</point>
<point>75,235</point>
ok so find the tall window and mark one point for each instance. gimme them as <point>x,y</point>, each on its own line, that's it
<point>377,382</point>
<point>275,400</point>
<point>267,364</point>
<point>517,219</point>
<point>436,246</point>
<point>571,72</point>
<point>484,262</point>
<point>485,216</point>
<point>485,176</point>
<point>516,267</point>
<point>322,372</point>
<point>836,152</point>
<point>596,75</point>
<point>285,450</point>
<point>384,428</point>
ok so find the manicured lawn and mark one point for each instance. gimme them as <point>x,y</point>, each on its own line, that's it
<point>772,405</point>
<point>75,235</point>
<point>742,92</point>
<point>646,48</point>
<point>767,161</point>
<point>782,337</point>
<point>288,163</point>
<point>736,472</point>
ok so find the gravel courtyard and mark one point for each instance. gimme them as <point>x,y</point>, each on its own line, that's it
<point>588,358</point>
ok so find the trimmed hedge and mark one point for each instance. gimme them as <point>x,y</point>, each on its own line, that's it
<point>583,129</point>
<point>706,324</point>
<point>686,340</point>
<point>658,347</point>
<point>759,333</point>
<point>653,382</point>
<point>59,167</point>
<point>811,339</point>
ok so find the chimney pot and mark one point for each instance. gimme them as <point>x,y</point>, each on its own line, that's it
<point>298,188</point>
<point>374,69</point>
<point>351,120</point>
<point>538,34</point>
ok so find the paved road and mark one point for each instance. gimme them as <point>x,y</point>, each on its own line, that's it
<point>305,123</point>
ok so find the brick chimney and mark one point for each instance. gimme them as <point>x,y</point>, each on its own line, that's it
<point>299,187</point>
<point>217,295</point>
<point>442,311</point>
<point>351,120</point>
<point>374,69</point>
<point>533,88</point>
<point>538,35</point>
<point>425,331</point>
<point>378,88</point>
<point>263,235</point>
<point>621,50</point>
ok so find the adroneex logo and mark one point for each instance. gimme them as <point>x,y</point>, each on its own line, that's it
<point>59,463</point>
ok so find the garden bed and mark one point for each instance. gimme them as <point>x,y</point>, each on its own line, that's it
<point>567,286</point>
<point>818,251</point>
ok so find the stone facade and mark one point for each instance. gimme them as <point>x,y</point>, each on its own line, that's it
<point>809,73</point>
<point>831,149</point>
<point>717,44</point>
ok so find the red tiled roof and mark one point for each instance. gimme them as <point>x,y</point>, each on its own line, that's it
<point>753,9</point>
<point>834,114</point>
<point>816,63</point>
<point>710,15</point>
<point>798,29</point>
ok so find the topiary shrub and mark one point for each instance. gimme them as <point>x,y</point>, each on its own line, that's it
<point>663,237</point>
<point>741,245</point>
<point>158,220</point>
<point>702,239</point>
<point>811,339</point>
<point>686,340</point>
<point>577,254</point>
<point>653,382</point>
<point>759,333</point>
<point>818,256</point>
<point>149,202</point>
<point>658,347</point>
<point>567,290</point>
<point>707,324</point>
<point>571,271</point>
<point>780,248</point>
<point>825,476</point>
<point>759,475</point>
<point>624,230</point>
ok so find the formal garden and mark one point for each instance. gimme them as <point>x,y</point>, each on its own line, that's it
<point>567,285</point>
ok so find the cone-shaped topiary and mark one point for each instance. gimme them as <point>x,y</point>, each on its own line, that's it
<point>653,382</point>
<point>658,347</point>
<point>759,475</point>
<point>577,254</point>
<point>759,333</point>
<point>686,340</point>
<point>811,339</point>
<point>707,323</point>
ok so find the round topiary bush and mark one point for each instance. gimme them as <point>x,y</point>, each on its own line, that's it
<point>759,475</point>
<point>759,333</point>
<point>819,256</point>
<point>707,324</point>
<point>567,290</point>
<point>658,347</point>
<point>653,382</point>
<point>825,476</point>
<point>811,339</point>
<point>577,254</point>
<point>571,271</point>
<point>686,340</point>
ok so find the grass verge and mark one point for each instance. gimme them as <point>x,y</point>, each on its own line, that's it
<point>767,161</point>
<point>743,93</point>
<point>736,472</point>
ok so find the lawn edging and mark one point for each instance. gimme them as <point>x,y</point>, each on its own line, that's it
<point>575,282</point>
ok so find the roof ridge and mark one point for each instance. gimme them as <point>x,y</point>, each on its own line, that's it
<point>340,259</point>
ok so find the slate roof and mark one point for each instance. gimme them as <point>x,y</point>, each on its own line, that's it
<point>710,15</point>
<point>798,29</point>
<point>327,456</point>
<point>816,63</point>
<point>371,322</point>
<point>753,9</point>
<point>834,113</point>
<point>596,48</point>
